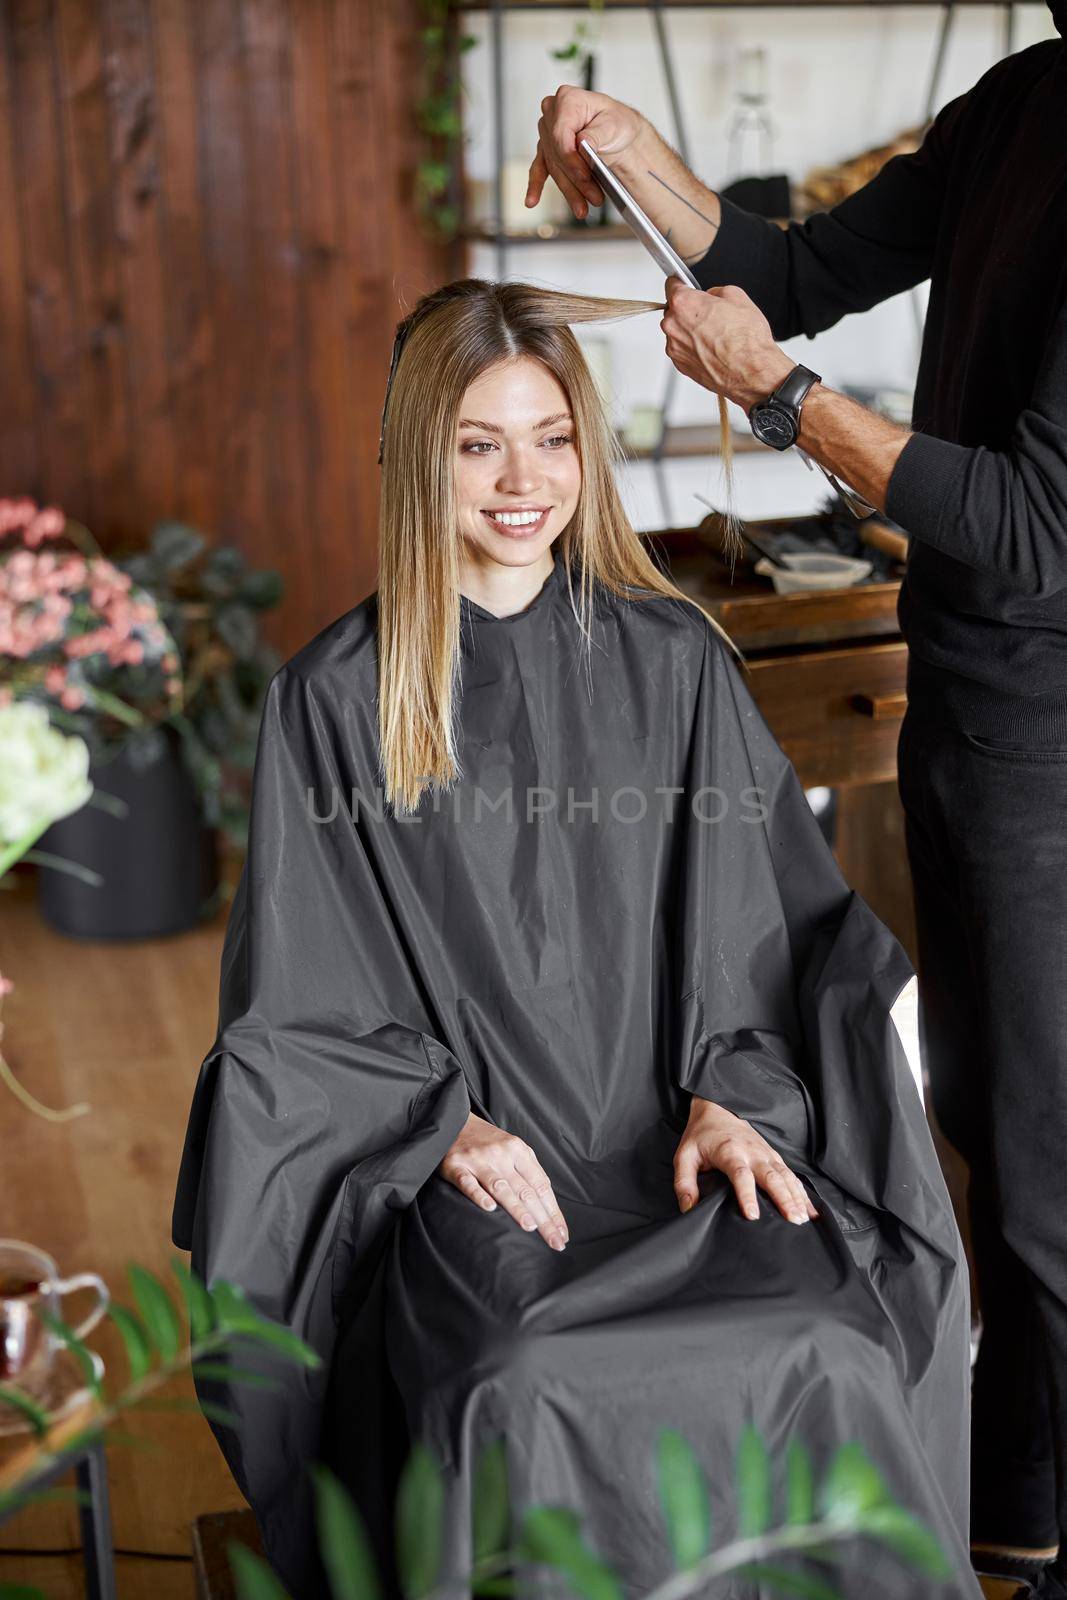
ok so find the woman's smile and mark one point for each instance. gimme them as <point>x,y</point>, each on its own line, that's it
<point>519,524</point>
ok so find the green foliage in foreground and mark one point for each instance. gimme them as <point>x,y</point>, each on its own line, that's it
<point>850,1502</point>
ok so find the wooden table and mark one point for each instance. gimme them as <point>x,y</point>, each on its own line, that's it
<point>827,668</point>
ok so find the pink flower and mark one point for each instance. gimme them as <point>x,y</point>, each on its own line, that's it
<point>47,524</point>
<point>72,571</point>
<point>89,644</point>
<point>55,680</point>
<point>16,514</point>
<point>71,698</point>
<point>170,662</point>
<point>6,985</point>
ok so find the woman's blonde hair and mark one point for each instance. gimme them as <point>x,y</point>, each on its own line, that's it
<point>450,338</point>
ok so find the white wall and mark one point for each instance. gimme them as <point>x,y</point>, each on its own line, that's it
<point>841,80</point>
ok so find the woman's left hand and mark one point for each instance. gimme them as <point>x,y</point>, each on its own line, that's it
<point>717,1141</point>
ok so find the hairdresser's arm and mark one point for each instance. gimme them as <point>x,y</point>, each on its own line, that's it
<point>804,277</point>
<point>1001,512</point>
<point>723,341</point>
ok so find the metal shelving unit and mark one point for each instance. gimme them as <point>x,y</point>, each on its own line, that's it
<point>673,441</point>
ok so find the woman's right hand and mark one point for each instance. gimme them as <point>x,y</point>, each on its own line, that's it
<point>489,1166</point>
<point>572,113</point>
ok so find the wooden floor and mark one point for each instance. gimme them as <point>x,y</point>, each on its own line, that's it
<point>125,1027</point>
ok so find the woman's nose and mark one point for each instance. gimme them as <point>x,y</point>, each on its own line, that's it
<point>519,474</point>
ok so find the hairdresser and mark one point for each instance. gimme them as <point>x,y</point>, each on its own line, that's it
<point>980,484</point>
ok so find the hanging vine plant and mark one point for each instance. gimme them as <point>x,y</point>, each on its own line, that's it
<point>437,114</point>
<point>437,110</point>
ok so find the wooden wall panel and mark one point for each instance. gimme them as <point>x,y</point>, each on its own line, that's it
<point>209,235</point>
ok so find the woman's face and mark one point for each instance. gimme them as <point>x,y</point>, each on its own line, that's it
<point>516,456</point>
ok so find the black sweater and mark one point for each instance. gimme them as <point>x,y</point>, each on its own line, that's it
<point>981,210</point>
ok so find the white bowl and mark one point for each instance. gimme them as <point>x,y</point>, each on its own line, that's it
<point>816,569</point>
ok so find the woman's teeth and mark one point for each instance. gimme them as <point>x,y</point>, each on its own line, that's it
<point>516,519</point>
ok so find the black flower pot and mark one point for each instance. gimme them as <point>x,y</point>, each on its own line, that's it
<point>158,862</point>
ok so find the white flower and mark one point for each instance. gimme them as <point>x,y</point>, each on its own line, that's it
<point>43,773</point>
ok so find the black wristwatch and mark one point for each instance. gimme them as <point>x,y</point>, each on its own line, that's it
<point>776,420</point>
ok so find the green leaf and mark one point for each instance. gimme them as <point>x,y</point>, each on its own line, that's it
<point>157,1310</point>
<point>419,1512</point>
<point>236,627</point>
<point>684,1495</point>
<point>20,1591</point>
<point>262,589</point>
<point>174,544</point>
<point>10,1395</point>
<point>799,1486</point>
<point>346,1551</point>
<point>197,1301</point>
<point>234,1314</point>
<point>753,1483</point>
<point>908,1537</point>
<point>252,1578</point>
<point>789,1582</point>
<point>553,1535</point>
<point>490,1508</point>
<point>78,1349</point>
<point>852,1486</point>
<point>222,1372</point>
<point>134,1337</point>
<point>223,570</point>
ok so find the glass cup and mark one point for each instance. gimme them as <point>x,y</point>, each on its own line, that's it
<point>30,1285</point>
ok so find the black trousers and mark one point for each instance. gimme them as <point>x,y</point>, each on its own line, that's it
<point>986,828</point>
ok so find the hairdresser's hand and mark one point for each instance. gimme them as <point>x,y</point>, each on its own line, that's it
<point>721,339</point>
<point>489,1165</point>
<point>717,1141</point>
<point>567,116</point>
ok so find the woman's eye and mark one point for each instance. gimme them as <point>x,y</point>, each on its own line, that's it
<point>474,447</point>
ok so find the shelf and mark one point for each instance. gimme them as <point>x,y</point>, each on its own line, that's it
<point>546,233</point>
<point>693,440</point>
<point>696,5</point>
<point>560,233</point>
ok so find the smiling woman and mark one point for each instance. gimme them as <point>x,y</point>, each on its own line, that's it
<point>558,1099</point>
<point>493,427</point>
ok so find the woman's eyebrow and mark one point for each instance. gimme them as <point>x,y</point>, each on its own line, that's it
<point>491,427</point>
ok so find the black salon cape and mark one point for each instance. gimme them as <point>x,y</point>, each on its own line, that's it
<point>658,916</point>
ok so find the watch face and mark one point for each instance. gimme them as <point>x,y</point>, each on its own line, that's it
<point>773,426</point>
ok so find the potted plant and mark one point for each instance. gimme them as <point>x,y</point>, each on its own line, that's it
<point>210,602</point>
<point>78,637</point>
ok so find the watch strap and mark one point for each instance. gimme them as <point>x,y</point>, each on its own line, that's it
<point>794,387</point>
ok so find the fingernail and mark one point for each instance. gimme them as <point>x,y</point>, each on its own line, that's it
<point>797,1216</point>
<point>528,193</point>
<point>557,1241</point>
<point>686,1202</point>
<point>752,1213</point>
